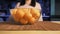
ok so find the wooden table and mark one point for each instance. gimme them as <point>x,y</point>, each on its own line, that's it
<point>42,26</point>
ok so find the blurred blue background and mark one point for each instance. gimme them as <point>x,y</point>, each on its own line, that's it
<point>6,5</point>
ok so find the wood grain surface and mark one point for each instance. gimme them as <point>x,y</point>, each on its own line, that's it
<point>42,26</point>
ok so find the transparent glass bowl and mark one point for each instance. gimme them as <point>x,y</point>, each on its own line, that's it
<point>25,15</point>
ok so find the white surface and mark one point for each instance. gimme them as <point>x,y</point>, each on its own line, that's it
<point>56,22</point>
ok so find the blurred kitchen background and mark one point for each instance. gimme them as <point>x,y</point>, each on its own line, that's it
<point>6,5</point>
<point>55,10</point>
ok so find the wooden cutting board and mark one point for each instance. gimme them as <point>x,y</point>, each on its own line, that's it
<point>42,26</point>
